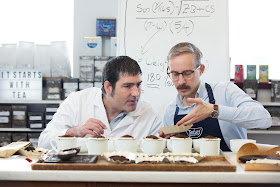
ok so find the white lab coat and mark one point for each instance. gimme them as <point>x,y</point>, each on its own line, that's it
<point>82,105</point>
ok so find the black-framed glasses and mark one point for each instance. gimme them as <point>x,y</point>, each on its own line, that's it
<point>187,74</point>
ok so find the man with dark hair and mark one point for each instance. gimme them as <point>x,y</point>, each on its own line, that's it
<point>217,109</point>
<point>113,111</point>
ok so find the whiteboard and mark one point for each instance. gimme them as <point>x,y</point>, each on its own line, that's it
<point>147,29</point>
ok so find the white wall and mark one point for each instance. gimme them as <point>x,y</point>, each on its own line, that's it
<point>85,14</point>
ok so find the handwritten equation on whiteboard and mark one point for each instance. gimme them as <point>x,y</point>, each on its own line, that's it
<point>155,76</point>
<point>149,28</point>
<point>174,17</point>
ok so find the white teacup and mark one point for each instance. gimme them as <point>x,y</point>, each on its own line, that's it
<point>235,144</point>
<point>61,143</point>
<point>210,146</point>
<point>180,145</point>
<point>152,146</point>
<point>81,142</point>
<point>196,145</point>
<point>125,144</point>
<point>97,146</point>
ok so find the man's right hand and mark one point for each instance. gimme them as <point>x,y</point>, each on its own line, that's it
<point>166,136</point>
<point>92,126</point>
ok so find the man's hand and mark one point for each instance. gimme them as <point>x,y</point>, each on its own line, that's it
<point>200,112</point>
<point>92,126</point>
<point>166,136</point>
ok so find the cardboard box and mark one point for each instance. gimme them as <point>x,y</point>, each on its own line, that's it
<point>47,122</point>
<point>51,108</point>
<point>54,86</point>
<point>98,68</point>
<point>91,46</point>
<point>36,120</point>
<point>5,122</point>
<point>49,112</point>
<point>19,124</point>
<point>98,84</point>
<point>66,92</point>
<point>49,116</point>
<point>86,68</point>
<point>275,115</point>
<point>85,84</point>
<point>19,137</point>
<point>19,113</point>
<point>5,138</point>
<point>113,46</point>
<point>251,72</point>
<point>238,73</point>
<point>5,116</point>
<point>250,87</point>
<point>69,86</point>
<point>70,83</point>
<point>33,138</point>
<point>106,27</point>
<point>263,73</point>
<point>275,91</point>
<point>36,124</point>
<point>35,116</point>
<point>53,96</point>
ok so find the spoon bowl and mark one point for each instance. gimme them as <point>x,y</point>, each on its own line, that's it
<point>67,155</point>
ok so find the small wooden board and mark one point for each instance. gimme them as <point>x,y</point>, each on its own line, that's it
<point>209,163</point>
<point>261,167</point>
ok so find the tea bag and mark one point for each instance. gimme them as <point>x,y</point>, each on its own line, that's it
<point>175,129</point>
<point>12,148</point>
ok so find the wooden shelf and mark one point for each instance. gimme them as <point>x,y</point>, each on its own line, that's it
<point>20,130</point>
<point>270,103</point>
<point>260,131</point>
<point>31,101</point>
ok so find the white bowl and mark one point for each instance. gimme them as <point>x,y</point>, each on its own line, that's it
<point>235,144</point>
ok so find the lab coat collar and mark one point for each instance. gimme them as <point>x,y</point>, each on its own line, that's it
<point>126,121</point>
<point>129,118</point>
<point>99,109</point>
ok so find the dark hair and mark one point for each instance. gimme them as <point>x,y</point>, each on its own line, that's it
<point>185,48</point>
<point>117,66</point>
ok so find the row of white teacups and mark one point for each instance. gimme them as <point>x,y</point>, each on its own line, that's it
<point>97,146</point>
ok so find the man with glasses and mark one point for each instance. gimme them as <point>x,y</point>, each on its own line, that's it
<point>221,110</point>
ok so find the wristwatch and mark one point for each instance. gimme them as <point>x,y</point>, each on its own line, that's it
<point>215,112</point>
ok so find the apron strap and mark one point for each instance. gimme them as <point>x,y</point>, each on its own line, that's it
<point>177,110</point>
<point>210,94</point>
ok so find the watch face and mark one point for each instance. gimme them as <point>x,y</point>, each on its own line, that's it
<point>214,114</point>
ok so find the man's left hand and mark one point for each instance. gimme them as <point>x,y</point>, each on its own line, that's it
<point>200,112</point>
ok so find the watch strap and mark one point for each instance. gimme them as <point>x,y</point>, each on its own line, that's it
<point>215,112</point>
<point>216,107</point>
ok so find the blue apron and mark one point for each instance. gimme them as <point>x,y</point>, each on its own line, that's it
<point>207,127</point>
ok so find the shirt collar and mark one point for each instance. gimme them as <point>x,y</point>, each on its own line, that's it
<point>122,114</point>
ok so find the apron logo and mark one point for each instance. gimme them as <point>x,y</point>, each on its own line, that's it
<point>195,132</point>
